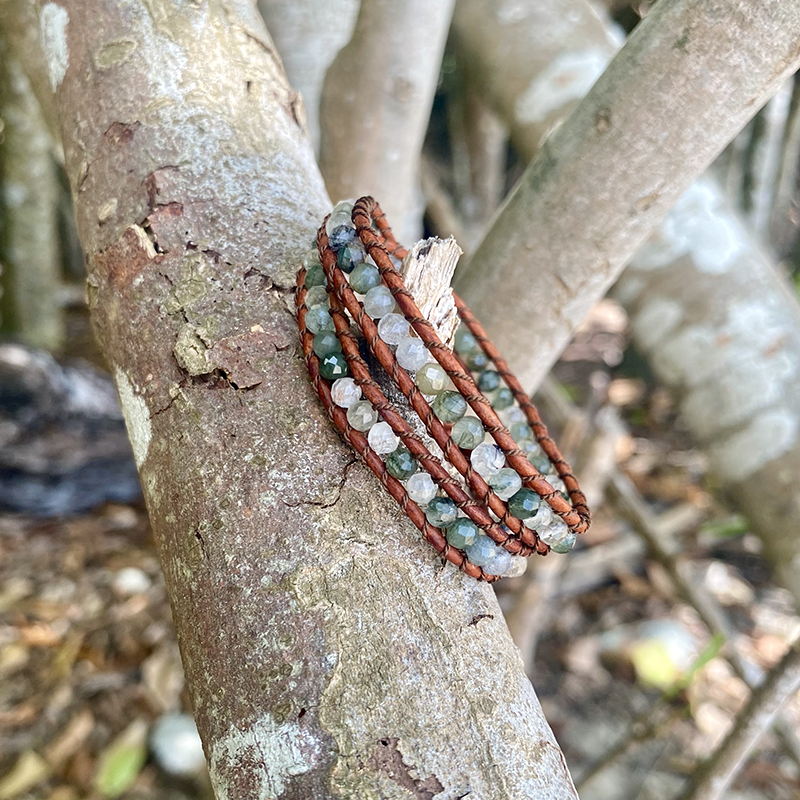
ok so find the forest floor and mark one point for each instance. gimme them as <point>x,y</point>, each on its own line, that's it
<point>632,682</point>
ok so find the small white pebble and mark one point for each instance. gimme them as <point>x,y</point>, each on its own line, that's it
<point>130,581</point>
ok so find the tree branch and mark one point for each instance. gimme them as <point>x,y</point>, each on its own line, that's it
<point>376,102</point>
<point>686,81</point>
<point>327,650</point>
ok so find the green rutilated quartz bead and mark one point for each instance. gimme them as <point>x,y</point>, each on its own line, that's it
<point>326,343</point>
<point>449,407</point>
<point>503,399</point>
<point>318,319</point>
<point>364,277</point>
<point>461,533</point>
<point>315,276</point>
<point>476,360</point>
<point>520,431</point>
<point>541,462</point>
<point>488,380</point>
<point>333,366</point>
<point>431,378</point>
<point>311,258</point>
<point>467,432</point>
<point>350,256</point>
<point>317,296</point>
<point>524,503</point>
<point>465,342</point>
<point>401,464</point>
<point>441,511</point>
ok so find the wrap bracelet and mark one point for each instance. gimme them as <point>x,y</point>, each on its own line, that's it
<point>483,505</point>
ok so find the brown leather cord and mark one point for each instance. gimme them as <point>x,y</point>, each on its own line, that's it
<point>515,537</point>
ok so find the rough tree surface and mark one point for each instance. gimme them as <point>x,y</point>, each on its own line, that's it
<point>328,651</point>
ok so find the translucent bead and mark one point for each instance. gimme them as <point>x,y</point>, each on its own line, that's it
<point>317,296</point>
<point>341,217</point>
<point>488,380</point>
<point>503,399</point>
<point>540,461</point>
<point>513,414</point>
<point>401,464</point>
<point>345,392</point>
<point>524,503</point>
<point>361,415</point>
<point>483,552</point>
<point>350,255</point>
<point>518,566</point>
<point>556,483</point>
<point>431,379</point>
<point>311,259</point>
<point>505,483</point>
<point>393,328</point>
<point>558,535</point>
<point>343,207</point>
<point>461,533</point>
<point>541,519</point>
<point>378,302</point>
<point>465,341</point>
<point>364,277</point>
<point>477,360</point>
<point>521,430</point>
<point>530,447</point>
<point>326,342</point>
<point>412,354</point>
<point>487,459</point>
<point>467,432</point>
<point>318,319</point>
<point>441,511</point>
<point>333,366</point>
<point>382,439</point>
<point>449,407</point>
<point>315,276</point>
<point>421,488</point>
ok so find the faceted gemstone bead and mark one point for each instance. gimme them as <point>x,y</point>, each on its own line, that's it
<point>477,360</point>
<point>465,342</point>
<point>558,535</point>
<point>530,447</point>
<point>378,302</point>
<point>467,432</point>
<point>318,319</point>
<point>412,354</point>
<point>350,255</point>
<point>556,483</point>
<point>524,503</point>
<point>317,296</point>
<point>311,259</point>
<point>326,342</point>
<point>461,533</point>
<point>505,483</point>
<point>345,392</point>
<point>340,236</point>
<point>520,431</point>
<point>361,415</point>
<point>488,380</point>
<point>315,276</point>
<point>541,462</point>
<point>364,277</point>
<point>441,511</point>
<point>518,566</point>
<point>541,519</point>
<point>449,406</point>
<point>513,414</point>
<point>503,399</point>
<point>392,328</point>
<point>401,464</point>
<point>487,459</point>
<point>382,439</point>
<point>421,488</point>
<point>483,552</point>
<point>431,378</point>
<point>340,227</point>
<point>333,366</point>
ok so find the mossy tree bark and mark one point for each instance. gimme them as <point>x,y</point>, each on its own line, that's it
<point>328,651</point>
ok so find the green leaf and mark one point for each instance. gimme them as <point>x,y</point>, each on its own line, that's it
<point>735,525</point>
<point>122,761</point>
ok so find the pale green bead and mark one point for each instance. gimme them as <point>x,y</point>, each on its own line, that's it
<point>465,341</point>
<point>361,415</point>
<point>467,432</point>
<point>449,407</point>
<point>520,431</point>
<point>315,276</point>
<point>318,319</point>
<point>503,398</point>
<point>441,511</point>
<point>364,277</point>
<point>461,533</point>
<point>325,343</point>
<point>431,378</point>
<point>317,296</point>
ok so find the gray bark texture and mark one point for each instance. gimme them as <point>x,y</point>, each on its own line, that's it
<point>308,35</point>
<point>328,651</point>
<point>685,82</point>
<point>376,102</point>
<point>29,194</point>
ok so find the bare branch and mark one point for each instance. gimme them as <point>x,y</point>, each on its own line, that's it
<point>327,650</point>
<point>683,85</point>
<point>376,102</point>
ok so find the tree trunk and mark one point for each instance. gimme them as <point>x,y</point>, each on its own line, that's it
<point>685,82</point>
<point>328,651</point>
